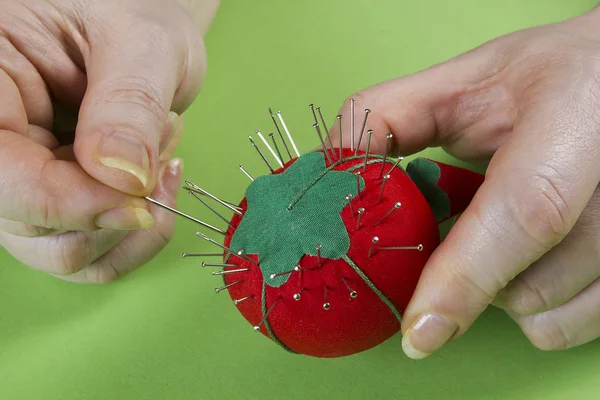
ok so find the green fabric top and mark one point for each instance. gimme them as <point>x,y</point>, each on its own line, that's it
<point>289,214</point>
<point>162,333</point>
<point>426,174</point>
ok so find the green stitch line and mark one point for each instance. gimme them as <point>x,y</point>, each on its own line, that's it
<point>373,287</point>
<point>379,159</point>
<point>267,324</point>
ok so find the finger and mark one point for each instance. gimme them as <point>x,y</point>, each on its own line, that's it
<point>562,272</point>
<point>457,104</point>
<point>13,116</point>
<point>134,73</point>
<point>572,324</point>
<point>63,254</point>
<point>173,137</point>
<point>533,194</point>
<point>139,247</point>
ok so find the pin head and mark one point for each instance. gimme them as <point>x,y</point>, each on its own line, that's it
<point>326,306</point>
<point>297,296</point>
<point>353,294</point>
<point>397,205</point>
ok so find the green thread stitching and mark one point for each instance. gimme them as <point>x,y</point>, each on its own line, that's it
<point>373,287</point>
<point>267,324</point>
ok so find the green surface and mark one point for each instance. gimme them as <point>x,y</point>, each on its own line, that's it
<point>426,175</point>
<point>162,333</point>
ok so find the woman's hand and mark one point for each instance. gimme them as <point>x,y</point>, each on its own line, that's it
<point>529,104</point>
<point>90,114</point>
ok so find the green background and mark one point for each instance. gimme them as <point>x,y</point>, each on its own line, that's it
<point>162,333</point>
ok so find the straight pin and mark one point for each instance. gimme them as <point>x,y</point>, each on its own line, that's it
<point>287,132</point>
<point>385,179</point>
<point>231,271</point>
<point>360,213</point>
<point>279,132</point>
<point>339,118</point>
<point>418,248</point>
<point>388,143</point>
<point>325,149</point>
<point>353,293</point>
<point>326,305</point>
<point>241,167</point>
<point>373,243</point>
<point>396,206</point>
<point>319,254</point>
<point>219,290</point>
<point>239,253</point>
<point>357,174</point>
<point>325,127</point>
<point>272,136</point>
<point>210,208</point>
<point>298,295</point>
<point>398,161</point>
<point>261,154</point>
<point>184,255</point>
<point>238,301</point>
<point>370,133</point>
<point>204,265</point>
<point>296,269</point>
<point>349,199</point>
<point>312,108</point>
<point>262,321</point>
<point>269,148</point>
<point>166,207</point>
<point>198,189</point>
<point>352,124</point>
<point>362,130</point>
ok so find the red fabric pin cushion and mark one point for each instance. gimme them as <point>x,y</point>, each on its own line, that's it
<point>328,254</point>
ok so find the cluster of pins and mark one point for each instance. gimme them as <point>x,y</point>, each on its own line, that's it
<point>280,157</point>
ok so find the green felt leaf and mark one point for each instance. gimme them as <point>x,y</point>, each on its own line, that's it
<point>282,236</point>
<point>426,174</point>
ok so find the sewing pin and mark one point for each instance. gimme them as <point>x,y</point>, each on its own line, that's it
<point>370,133</point>
<point>396,206</point>
<point>349,199</point>
<point>418,248</point>
<point>312,108</point>
<point>230,271</point>
<point>257,327</point>
<point>272,136</point>
<point>352,124</point>
<point>398,161</point>
<point>388,143</point>
<point>385,179</point>
<point>296,269</point>
<point>353,293</point>
<point>339,118</point>
<point>238,301</point>
<point>360,213</point>
<point>362,130</point>
<point>285,128</point>
<point>204,265</point>
<point>201,191</point>
<point>325,149</point>
<point>326,305</point>
<point>357,174</point>
<point>325,127</point>
<point>373,243</point>
<point>269,148</point>
<point>184,255</point>
<point>298,295</point>
<point>319,247</point>
<point>219,290</point>
<point>279,132</point>
<point>261,154</point>
<point>210,208</point>
<point>241,167</point>
<point>166,207</point>
<point>239,253</point>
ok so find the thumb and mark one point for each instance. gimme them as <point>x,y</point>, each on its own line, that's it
<point>133,77</point>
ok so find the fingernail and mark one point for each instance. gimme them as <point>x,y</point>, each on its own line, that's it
<point>127,154</point>
<point>173,170</point>
<point>172,126</point>
<point>430,333</point>
<point>125,219</point>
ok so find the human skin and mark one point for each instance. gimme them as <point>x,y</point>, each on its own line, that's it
<point>527,105</point>
<point>93,93</point>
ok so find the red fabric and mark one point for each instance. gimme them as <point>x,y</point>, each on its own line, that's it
<point>460,185</point>
<point>351,325</point>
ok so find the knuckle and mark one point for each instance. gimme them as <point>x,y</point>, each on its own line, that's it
<point>72,254</point>
<point>138,91</point>
<point>529,298</point>
<point>541,212</point>
<point>547,335</point>
<point>104,274</point>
